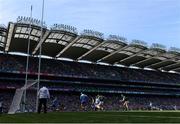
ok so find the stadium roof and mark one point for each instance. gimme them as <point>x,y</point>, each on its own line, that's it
<point>63,41</point>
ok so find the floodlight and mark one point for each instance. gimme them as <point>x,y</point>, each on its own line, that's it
<point>64,28</point>
<point>28,20</point>
<point>117,38</point>
<point>158,46</point>
<point>139,42</point>
<point>92,33</point>
<point>174,50</point>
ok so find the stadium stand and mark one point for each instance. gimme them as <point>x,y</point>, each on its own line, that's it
<point>12,63</point>
<point>145,74</point>
<point>68,79</point>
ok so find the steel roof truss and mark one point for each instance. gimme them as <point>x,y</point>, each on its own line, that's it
<point>9,37</point>
<point>113,53</point>
<point>41,41</point>
<point>85,54</point>
<point>68,46</point>
<point>170,67</point>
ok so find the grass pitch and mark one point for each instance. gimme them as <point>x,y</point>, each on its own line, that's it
<point>93,117</point>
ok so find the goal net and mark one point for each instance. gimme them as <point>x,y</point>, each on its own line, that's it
<point>18,104</point>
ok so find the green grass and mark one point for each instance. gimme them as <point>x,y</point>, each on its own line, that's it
<point>96,117</point>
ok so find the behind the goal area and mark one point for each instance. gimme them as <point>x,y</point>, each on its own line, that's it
<point>24,99</point>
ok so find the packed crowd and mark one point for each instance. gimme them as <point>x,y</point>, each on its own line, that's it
<point>93,87</point>
<point>70,101</point>
<point>12,63</point>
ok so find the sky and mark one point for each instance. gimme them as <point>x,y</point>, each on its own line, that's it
<point>152,21</point>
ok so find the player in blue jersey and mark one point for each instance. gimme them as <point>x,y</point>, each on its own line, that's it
<point>55,104</point>
<point>84,101</point>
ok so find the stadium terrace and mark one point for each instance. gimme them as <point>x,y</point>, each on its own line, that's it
<point>63,41</point>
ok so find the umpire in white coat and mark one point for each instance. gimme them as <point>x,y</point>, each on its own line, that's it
<point>43,95</point>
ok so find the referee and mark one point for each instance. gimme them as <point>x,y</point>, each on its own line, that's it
<point>43,95</point>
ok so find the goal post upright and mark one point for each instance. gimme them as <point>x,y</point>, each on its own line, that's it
<point>40,52</point>
<point>27,61</point>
